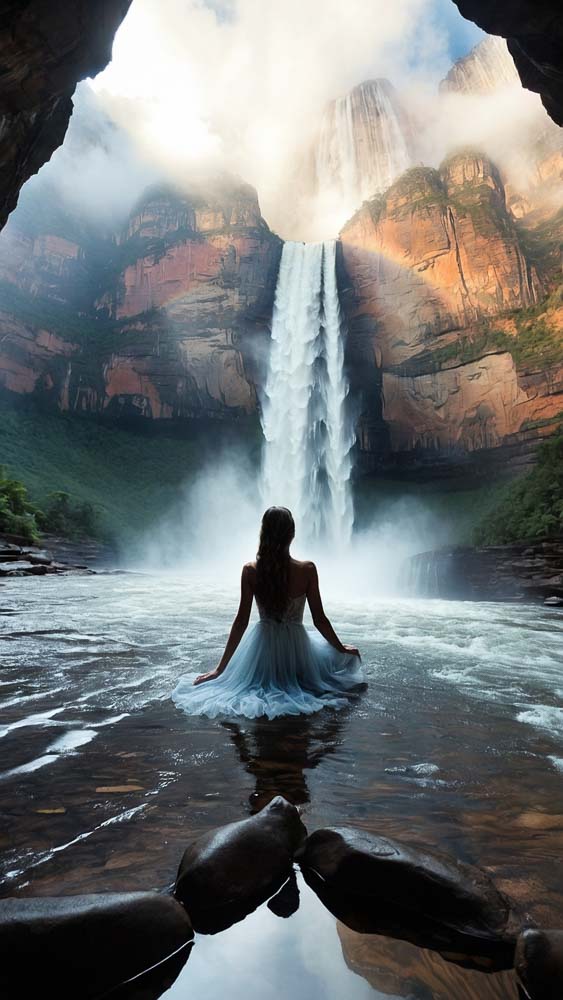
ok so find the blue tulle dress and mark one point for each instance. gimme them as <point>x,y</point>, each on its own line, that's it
<point>279,668</point>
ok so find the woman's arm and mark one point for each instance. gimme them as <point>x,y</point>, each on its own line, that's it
<point>238,627</point>
<point>320,620</point>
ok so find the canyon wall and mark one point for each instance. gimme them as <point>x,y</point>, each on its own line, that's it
<point>167,318</point>
<point>447,302</point>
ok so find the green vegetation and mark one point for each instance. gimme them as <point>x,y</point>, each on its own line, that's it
<point>119,481</point>
<point>542,245</point>
<point>532,507</point>
<point>17,513</point>
<point>535,342</point>
<point>63,516</point>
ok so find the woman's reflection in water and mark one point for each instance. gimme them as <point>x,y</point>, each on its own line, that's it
<point>278,752</point>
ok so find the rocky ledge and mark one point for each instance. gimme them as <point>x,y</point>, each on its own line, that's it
<point>18,557</point>
<point>524,571</point>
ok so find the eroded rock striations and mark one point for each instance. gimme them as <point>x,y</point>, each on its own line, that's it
<point>164,319</point>
<point>46,49</point>
<point>439,294</point>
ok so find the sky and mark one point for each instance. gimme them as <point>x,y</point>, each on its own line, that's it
<point>199,88</point>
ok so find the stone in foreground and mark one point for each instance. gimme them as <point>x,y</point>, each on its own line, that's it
<point>228,872</point>
<point>377,885</point>
<point>83,946</point>
<point>539,963</point>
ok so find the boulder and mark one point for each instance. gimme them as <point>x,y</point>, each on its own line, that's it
<point>85,945</point>
<point>539,963</point>
<point>376,885</point>
<point>228,872</point>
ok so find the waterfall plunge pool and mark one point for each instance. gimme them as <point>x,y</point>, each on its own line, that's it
<point>457,744</point>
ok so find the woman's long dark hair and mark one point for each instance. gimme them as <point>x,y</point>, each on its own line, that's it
<point>272,561</point>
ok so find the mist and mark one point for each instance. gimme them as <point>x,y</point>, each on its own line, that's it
<point>200,89</point>
<point>213,528</point>
<point>237,89</point>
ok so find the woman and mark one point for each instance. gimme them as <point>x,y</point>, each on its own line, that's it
<point>278,668</point>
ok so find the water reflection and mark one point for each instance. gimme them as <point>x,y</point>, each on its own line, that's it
<point>278,753</point>
<point>311,957</point>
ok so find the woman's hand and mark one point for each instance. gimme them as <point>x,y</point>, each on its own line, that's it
<point>353,651</point>
<point>207,677</point>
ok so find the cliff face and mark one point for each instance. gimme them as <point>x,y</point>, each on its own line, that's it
<point>488,66</point>
<point>442,293</point>
<point>46,50</point>
<point>534,31</point>
<point>531,156</point>
<point>164,319</point>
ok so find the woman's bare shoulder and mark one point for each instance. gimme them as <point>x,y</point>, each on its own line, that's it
<point>305,568</point>
<point>248,576</point>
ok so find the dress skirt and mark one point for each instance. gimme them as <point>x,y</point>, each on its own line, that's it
<point>279,668</point>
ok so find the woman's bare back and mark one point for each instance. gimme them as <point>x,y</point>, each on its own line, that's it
<point>301,575</point>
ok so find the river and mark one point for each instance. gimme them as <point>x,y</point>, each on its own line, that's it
<point>457,744</point>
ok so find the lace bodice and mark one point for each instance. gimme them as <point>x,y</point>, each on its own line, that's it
<point>293,614</point>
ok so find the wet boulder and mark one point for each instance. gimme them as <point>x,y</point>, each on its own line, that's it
<point>83,946</point>
<point>228,872</point>
<point>539,963</point>
<point>377,885</point>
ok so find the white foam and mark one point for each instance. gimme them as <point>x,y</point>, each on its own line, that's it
<point>112,719</point>
<point>39,719</point>
<point>21,698</point>
<point>32,765</point>
<point>549,718</point>
<point>557,763</point>
<point>71,740</point>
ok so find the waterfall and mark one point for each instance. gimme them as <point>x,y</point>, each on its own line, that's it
<point>308,434</point>
<point>364,143</point>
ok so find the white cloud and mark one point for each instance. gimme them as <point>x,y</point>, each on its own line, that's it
<point>241,86</point>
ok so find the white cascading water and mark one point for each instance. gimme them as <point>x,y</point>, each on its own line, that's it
<point>308,434</point>
<point>364,143</point>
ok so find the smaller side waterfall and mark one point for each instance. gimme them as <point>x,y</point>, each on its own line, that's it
<point>364,143</point>
<point>308,433</point>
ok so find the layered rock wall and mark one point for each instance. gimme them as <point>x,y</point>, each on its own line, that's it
<point>436,274</point>
<point>178,313</point>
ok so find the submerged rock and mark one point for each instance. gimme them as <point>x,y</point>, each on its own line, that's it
<point>228,872</point>
<point>376,885</point>
<point>85,945</point>
<point>539,963</point>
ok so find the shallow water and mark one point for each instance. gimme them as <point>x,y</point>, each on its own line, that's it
<point>457,743</point>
